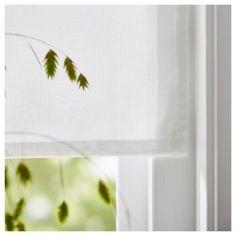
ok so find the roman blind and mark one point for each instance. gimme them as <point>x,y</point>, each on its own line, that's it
<point>139,64</point>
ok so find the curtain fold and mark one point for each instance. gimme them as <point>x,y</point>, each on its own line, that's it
<point>176,77</point>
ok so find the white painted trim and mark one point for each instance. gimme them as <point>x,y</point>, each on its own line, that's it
<point>150,193</point>
<point>206,134</point>
<point>133,213</point>
<point>173,194</point>
<point>201,122</point>
<point>213,91</point>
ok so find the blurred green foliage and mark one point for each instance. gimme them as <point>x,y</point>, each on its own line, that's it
<point>87,211</point>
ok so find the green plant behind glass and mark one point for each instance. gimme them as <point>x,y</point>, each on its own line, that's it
<point>88,197</point>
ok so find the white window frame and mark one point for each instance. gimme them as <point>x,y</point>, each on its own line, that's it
<point>211,210</point>
<point>217,82</point>
<point>214,118</point>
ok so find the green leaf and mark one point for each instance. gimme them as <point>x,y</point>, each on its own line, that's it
<point>19,208</point>
<point>23,173</point>
<point>50,63</point>
<point>104,192</point>
<point>7,181</point>
<point>20,226</point>
<point>82,81</point>
<point>9,222</point>
<point>70,68</point>
<point>62,212</point>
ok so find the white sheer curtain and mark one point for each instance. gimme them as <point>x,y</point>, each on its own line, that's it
<point>176,77</point>
<point>138,63</point>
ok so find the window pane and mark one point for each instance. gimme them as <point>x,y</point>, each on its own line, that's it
<point>87,186</point>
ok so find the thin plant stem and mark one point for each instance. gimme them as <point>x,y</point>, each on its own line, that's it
<point>35,39</point>
<point>35,54</point>
<point>24,36</point>
<point>62,178</point>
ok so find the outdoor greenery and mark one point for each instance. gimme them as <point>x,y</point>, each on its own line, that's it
<point>36,200</point>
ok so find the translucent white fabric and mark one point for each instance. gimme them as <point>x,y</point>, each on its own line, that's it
<point>138,63</point>
<point>176,77</point>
